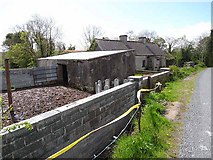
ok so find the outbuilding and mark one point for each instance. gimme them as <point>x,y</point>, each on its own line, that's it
<point>82,69</point>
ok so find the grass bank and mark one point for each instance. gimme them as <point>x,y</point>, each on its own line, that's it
<point>157,138</point>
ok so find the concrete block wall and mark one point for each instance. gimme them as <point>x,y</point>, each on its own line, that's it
<point>29,77</point>
<point>45,75</point>
<point>56,129</point>
<point>20,78</point>
<point>161,77</point>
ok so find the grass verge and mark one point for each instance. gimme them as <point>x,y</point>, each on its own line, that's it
<point>157,138</point>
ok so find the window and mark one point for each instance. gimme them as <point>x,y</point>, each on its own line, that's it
<point>143,63</point>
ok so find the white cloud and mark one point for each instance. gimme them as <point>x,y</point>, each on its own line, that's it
<point>191,31</point>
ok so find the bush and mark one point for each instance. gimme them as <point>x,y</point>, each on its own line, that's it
<point>180,73</point>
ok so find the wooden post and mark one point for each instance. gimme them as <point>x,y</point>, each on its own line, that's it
<point>9,93</point>
<point>139,118</point>
<point>149,82</point>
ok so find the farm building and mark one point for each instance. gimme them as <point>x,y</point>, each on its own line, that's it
<point>82,69</point>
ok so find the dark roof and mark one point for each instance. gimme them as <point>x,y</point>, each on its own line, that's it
<point>105,45</point>
<point>139,47</point>
<point>155,49</point>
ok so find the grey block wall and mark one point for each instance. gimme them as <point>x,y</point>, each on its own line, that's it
<point>159,77</point>
<point>20,78</point>
<point>56,129</point>
<point>29,77</point>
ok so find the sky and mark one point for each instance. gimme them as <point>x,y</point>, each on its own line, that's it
<point>115,17</point>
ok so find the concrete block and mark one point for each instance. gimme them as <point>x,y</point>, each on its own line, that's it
<point>28,149</point>
<point>116,82</point>
<point>32,137</point>
<point>57,125</point>
<point>106,84</point>
<point>8,149</point>
<point>58,133</point>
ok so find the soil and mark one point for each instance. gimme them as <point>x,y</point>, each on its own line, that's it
<point>173,110</point>
<point>30,102</point>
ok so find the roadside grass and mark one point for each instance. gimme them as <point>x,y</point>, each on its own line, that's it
<point>157,138</point>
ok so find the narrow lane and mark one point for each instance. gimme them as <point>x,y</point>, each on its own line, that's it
<point>197,131</point>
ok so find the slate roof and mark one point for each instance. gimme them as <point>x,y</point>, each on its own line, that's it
<point>106,44</point>
<point>147,49</point>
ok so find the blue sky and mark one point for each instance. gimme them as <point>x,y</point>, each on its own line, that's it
<point>115,17</point>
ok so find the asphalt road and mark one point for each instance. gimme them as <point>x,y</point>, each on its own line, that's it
<point>197,131</point>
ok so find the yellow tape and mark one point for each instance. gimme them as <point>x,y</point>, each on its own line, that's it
<point>86,135</point>
<point>149,90</point>
<point>146,90</point>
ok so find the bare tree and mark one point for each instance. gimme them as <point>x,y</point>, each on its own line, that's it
<point>90,33</point>
<point>171,43</point>
<point>131,35</point>
<point>43,34</point>
<point>150,35</point>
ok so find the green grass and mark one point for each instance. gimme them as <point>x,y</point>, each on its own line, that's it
<point>2,68</point>
<point>138,74</point>
<point>152,140</point>
<point>155,139</point>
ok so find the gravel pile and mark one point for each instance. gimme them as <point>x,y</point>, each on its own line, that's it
<point>30,102</point>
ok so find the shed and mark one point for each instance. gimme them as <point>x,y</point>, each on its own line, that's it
<point>82,69</point>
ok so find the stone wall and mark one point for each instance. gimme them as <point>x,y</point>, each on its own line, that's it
<point>56,129</point>
<point>29,77</point>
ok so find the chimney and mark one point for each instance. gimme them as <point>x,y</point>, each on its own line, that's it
<point>142,39</point>
<point>123,38</point>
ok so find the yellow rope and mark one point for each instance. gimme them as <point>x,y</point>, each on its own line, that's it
<point>62,151</point>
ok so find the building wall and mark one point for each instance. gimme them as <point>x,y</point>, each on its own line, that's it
<point>139,62</point>
<point>56,129</point>
<point>83,74</point>
<point>46,62</point>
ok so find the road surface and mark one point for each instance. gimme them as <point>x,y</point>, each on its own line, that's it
<point>197,131</point>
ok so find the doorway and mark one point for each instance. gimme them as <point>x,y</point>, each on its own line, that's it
<point>64,74</point>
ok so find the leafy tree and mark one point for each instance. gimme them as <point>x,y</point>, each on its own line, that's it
<point>160,42</point>
<point>93,46</point>
<point>37,38</point>
<point>43,35</point>
<point>22,54</point>
<point>177,54</point>
<point>201,49</point>
<point>12,39</point>
<point>209,57</point>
